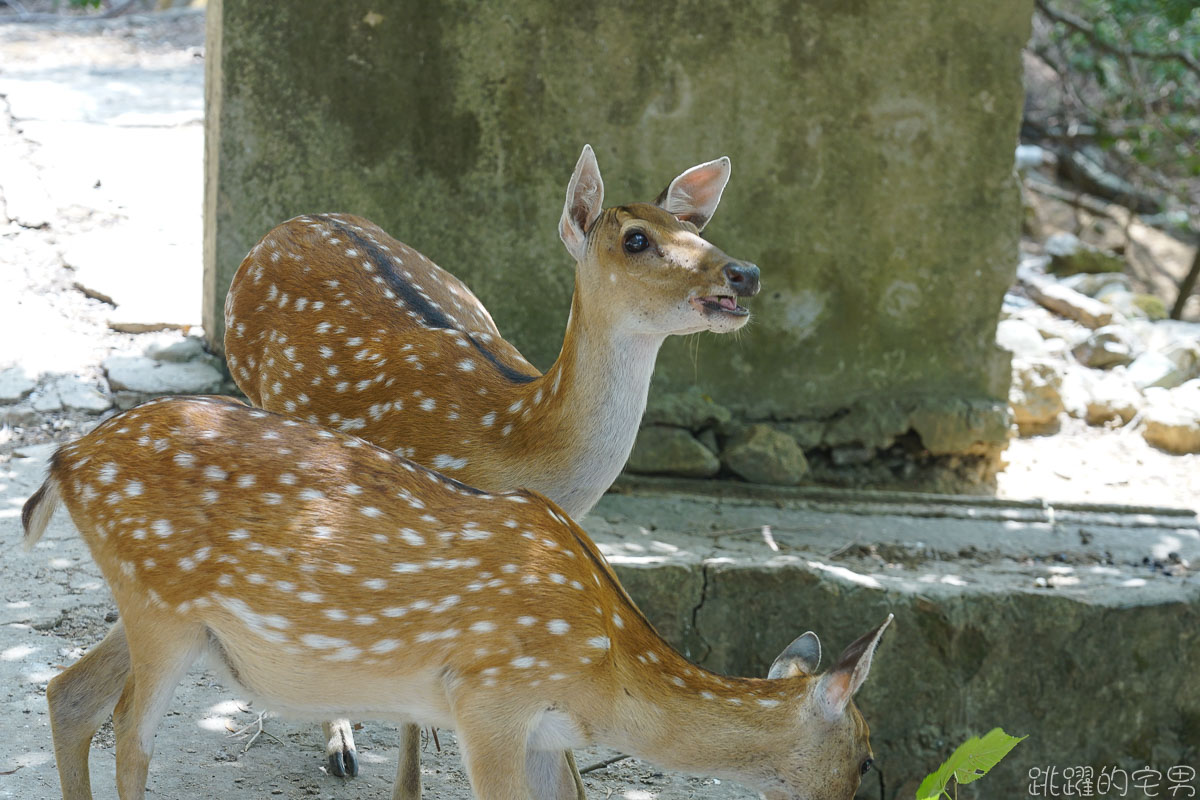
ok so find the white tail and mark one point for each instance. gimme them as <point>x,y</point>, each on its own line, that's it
<point>332,320</point>
<point>331,577</point>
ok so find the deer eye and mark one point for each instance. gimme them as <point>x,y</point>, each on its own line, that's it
<point>866,767</point>
<point>636,242</point>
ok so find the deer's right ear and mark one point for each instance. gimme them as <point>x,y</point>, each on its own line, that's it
<point>585,199</point>
<point>838,686</point>
<point>801,657</point>
<point>694,195</point>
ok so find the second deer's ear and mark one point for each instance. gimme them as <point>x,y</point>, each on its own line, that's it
<point>694,195</point>
<point>585,199</point>
<point>801,657</point>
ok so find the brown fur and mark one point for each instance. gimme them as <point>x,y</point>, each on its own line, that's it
<point>334,577</point>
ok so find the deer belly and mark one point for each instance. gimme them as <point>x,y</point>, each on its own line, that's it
<point>302,682</point>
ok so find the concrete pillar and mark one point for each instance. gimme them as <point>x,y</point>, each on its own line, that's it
<point>872,147</point>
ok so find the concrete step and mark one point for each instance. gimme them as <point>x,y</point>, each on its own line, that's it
<point>1078,624</point>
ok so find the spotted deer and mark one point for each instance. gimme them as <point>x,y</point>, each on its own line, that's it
<point>328,576</point>
<point>331,319</point>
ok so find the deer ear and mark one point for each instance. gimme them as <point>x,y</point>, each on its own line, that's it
<point>838,686</point>
<point>801,657</point>
<point>585,199</point>
<point>694,195</point>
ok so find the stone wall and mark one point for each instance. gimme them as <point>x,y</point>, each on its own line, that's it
<point>872,148</point>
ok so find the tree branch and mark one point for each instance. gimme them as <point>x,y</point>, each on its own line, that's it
<point>1082,26</point>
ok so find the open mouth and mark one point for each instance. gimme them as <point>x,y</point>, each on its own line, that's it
<point>719,304</point>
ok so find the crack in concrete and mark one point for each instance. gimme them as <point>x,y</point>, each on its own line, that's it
<point>701,657</point>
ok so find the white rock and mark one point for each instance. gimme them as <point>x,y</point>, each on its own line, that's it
<point>1155,369</point>
<point>1113,397</point>
<point>1171,428</point>
<point>1076,389</point>
<point>1093,283</point>
<point>1020,338</point>
<point>81,397</point>
<point>139,374</point>
<point>46,400</point>
<point>1171,421</point>
<point>20,416</point>
<point>15,384</point>
<point>1106,347</point>
<point>189,348</point>
<point>1035,395</point>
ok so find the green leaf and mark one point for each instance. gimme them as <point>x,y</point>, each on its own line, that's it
<point>969,762</point>
<point>986,753</point>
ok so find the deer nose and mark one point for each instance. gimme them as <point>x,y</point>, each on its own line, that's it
<point>742,278</point>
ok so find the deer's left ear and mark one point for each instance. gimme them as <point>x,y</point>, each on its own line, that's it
<point>694,195</point>
<point>838,686</point>
<point>585,199</point>
<point>801,657</point>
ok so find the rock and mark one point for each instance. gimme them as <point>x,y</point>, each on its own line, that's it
<point>870,423</point>
<point>1065,301</point>
<point>953,426</point>
<point>1035,396</point>
<point>1076,389</point>
<point>808,433</point>
<point>15,385</point>
<point>20,416</point>
<point>1020,338</point>
<point>1069,255</point>
<point>81,397</point>
<point>1156,369</point>
<point>1107,347</point>
<point>1172,428</point>
<point>1150,305</point>
<point>691,409</point>
<point>46,400</point>
<point>764,455</point>
<point>850,456</point>
<point>189,348</point>
<point>127,400</point>
<point>662,450</point>
<point>1113,397</point>
<point>139,374</point>
<point>1092,284</point>
<point>708,438</point>
<point>1162,335</point>
<point>1030,156</point>
<point>1122,301</point>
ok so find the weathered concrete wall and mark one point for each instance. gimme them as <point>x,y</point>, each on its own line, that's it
<point>1044,624</point>
<point>871,143</point>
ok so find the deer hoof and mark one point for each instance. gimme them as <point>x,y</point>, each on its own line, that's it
<point>344,763</point>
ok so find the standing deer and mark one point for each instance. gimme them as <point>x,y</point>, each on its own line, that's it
<point>329,576</point>
<point>332,320</point>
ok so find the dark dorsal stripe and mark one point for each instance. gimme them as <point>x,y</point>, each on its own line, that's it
<point>431,316</point>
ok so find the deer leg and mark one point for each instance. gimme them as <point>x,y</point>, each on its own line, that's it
<point>494,747</point>
<point>408,770</point>
<point>160,651</point>
<point>80,700</point>
<point>553,775</point>
<point>339,748</point>
<point>576,778</point>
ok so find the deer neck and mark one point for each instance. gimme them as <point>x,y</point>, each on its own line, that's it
<point>684,718</point>
<point>583,414</point>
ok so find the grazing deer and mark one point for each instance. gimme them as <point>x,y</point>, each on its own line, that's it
<point>331,319</point>
<point>328,576</point>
